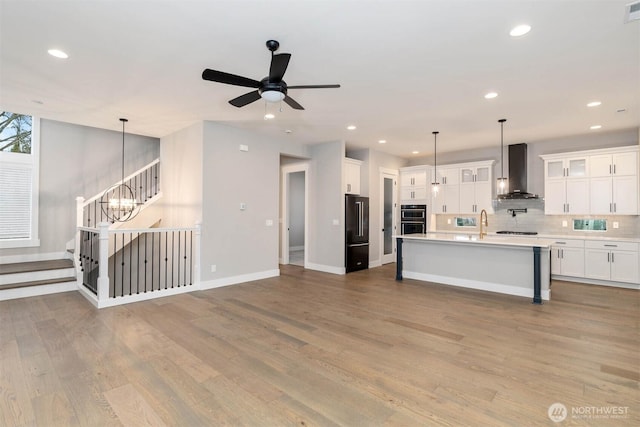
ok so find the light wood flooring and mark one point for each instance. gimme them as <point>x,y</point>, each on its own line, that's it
<point>309,348</point>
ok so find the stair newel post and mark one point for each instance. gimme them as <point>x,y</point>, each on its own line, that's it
<point>103,263</point>
<point>79,223</point>
<point>196,255</point>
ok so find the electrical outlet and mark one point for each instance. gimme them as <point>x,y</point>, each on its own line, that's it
<point>213,268</point>
<point>336,222</point>
<point>449,221</point>
<point>244,147</point>
<point>243,206</point>
<point>616,224</point>
<point>564,223</point>
<point>269,223</point>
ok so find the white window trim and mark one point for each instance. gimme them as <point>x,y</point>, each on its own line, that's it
<point>34,157</point>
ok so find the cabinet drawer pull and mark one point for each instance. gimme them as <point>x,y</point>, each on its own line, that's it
<point>611,246</point>
<point>561,243</point>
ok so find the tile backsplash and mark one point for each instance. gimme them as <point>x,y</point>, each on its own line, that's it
<point>535,220</point>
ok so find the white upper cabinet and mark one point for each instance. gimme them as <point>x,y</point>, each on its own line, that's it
<point>476,187</point>
<point>594,182</point>
<point>414,185</point>
<point>447,199</point>
<point>352,176</point>
<point>614,183</point>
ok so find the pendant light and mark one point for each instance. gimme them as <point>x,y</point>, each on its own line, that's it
<point>435,185</point>
<point>118,203</point>
<point>502,183</point>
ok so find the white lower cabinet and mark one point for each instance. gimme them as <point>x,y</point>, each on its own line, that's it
<point>567,258</point>
<point>612,260</point>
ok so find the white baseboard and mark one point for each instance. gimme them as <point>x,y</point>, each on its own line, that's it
<point>474,284</point>
<point>128,299</point>
<point>597,282</point>
<point>234,280</point>
<point>10,259</point>
<point>325,268</point>
<point>32,291</point>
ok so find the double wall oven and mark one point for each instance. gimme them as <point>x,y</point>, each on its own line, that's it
<point>413,219</point>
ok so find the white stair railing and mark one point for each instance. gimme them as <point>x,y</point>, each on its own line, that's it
<point>124,266</point>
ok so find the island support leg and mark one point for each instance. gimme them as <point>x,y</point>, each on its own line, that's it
<point>537,297</point>
<point>399,258</point>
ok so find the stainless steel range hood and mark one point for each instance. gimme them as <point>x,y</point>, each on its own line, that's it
<point>518,174</point>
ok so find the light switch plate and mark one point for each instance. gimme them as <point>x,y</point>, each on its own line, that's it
<point>243,206</point>
<point>244,147</point>
<point>616,224</point>
<point>336,222</point>
<point>213,268</point>
<point>269,223</point>
<point>564,223</point>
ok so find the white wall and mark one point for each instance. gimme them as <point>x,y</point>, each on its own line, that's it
<point>79,161</point>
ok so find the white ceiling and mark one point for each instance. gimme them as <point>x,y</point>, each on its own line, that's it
<point>406,68</point>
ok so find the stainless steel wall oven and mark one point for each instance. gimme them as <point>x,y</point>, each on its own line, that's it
<point>413,219</point>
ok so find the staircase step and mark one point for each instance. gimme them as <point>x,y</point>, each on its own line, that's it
<point>35,271</point>
<point>31,266</point>
<point>38,283</point>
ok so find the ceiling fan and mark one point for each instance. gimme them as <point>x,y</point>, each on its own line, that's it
<point>272,88</point>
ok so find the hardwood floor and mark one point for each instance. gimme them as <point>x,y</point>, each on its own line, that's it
<point>309,348</point>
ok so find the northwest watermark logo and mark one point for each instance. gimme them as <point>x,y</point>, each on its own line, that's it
<point>557,412</point>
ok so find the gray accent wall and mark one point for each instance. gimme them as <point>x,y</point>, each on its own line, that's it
<point>79,161</point>
<point>181,172</point>
<point>239,242</point>
<point>326,200</point>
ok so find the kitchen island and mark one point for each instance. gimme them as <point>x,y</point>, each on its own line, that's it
<point>508,265</point>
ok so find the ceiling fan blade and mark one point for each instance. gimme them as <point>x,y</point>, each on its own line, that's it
<point>245,99</point>
<point>314,87</point>
<point>293,104</point>
<point>279,64</point>
<point>230,79</point>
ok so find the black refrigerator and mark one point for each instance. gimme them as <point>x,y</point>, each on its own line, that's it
<point>357,233</point>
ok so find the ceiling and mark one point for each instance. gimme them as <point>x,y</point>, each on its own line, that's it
<point>406,68</point>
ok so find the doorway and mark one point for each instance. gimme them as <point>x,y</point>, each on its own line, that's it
<point>293,238</point>
<point>388,208</point>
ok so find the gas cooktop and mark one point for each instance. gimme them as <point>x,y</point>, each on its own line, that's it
<point>521,233</point>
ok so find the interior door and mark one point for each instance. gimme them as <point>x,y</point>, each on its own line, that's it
<point>388,217</point>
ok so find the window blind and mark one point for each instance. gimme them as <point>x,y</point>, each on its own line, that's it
<point>15,200</point>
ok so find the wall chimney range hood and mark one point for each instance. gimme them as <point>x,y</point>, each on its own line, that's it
<point>517,174</point>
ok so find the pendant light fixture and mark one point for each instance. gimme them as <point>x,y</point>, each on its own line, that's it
<point>503,187</point>
<point>435,185</point>
<point>118,203</point>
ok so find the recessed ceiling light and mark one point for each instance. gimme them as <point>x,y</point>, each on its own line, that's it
<point>269,116</point>
<point>382,141</point>
<point>351,127</point>
<point>415,152</point>
<point>37,101</point>
<point>621,110</point>
<point>288,131</point>
<point>491,95</point>
<point>594,104</point>
<point>520,30</point>
<point>596,127</point>
<point>58,53</point>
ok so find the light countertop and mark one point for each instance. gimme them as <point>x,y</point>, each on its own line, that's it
<point>473,238</point>
<point>596,236</point>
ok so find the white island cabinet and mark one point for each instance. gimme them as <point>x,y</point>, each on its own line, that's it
<point>514,266</point>
<point>615,261</point>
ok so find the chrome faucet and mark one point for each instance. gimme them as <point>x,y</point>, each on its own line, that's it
<point>484,222</point>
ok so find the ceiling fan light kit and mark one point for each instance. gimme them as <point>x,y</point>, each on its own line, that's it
<point>271,88</point>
